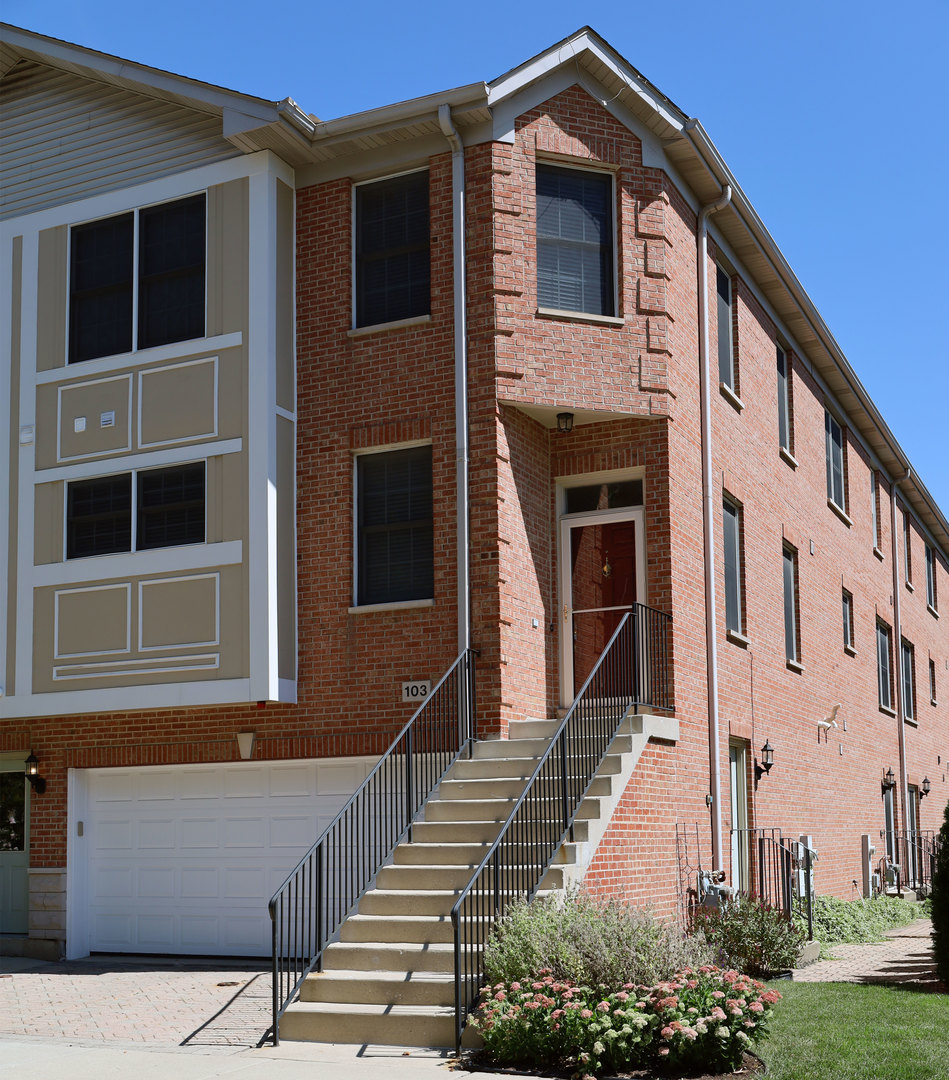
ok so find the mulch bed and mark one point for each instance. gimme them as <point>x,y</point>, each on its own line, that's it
<point>752,1065</point>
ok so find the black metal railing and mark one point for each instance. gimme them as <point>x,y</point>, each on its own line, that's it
<point>632,671</point>
<point>918,849</point>
<point>327,883</point>
<point>778,871</point>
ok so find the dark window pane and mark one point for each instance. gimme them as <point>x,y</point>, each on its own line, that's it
<point>171,272</point>
<point>170,507</point>
<point>574,240</point>
<point>100,288</point>
<point>394,514</point>
<point>883,666</point>
<point>99,516</point>
<point>783,410</point>
<point>610,496</point>
<point>790,614</point>
<point>12,811</point>
<point>732,567</point>
<point>726,372</point>
<point>392,250</point>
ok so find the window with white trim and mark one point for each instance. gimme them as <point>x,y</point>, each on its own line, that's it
<point>792,645</point>
<point>907,546</point>
<point>875,508</point>
<point>726,341</point>
<point>908,672</point>
<point>575,258</point>
<point>161,508</point>
<point>785,434</point>
<point>394,535</point>
<point>932,681</point>
<point>931,596</point>
<point>847,609</point>
<point>836,469</point>
<point>392,249</point>
<point>884,666</point>
<point>119,302</point>
<point>731,545</point>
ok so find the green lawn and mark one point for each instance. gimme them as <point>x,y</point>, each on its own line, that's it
<point>845,1031</point>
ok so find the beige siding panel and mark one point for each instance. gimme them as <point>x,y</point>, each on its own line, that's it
<point>67,138</point>
<point>13,436</point>
<point>286,552</point>
<point>47,427</point>
<point>48,523</point>
<point>92,621</point>
<point>179,402</point>
<point>234,514</point>
<point>284,343</point>
<point>52,313</point>
<point>231,388</point>
<point>101,410</point>
<point>228,255</point>
<point>179,612</point>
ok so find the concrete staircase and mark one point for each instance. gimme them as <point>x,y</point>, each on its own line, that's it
<point>389,979</point>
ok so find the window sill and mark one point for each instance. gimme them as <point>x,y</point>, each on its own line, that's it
<point>887,710</point>
<point>879,554</point>
<point>932,611</point>
<point>911,720</point>
<point>842,514</point>
<point>787,456</point>
<point>730,396</point>
<point>910,586</point>
<point>580,316</point>
<point>396,605</point>
<point>378,328</point>
<point>933,701</point>
<point>850,650</point>
<point>737,638</point>
<point>793,665</point>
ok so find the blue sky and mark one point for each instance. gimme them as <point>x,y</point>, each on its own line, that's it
<point>832,114</point>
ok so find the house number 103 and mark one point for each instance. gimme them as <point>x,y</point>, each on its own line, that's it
<point>416,691</point>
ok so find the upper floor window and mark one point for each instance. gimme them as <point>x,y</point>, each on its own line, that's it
<point>932,681</point>
<point>907,547</point>
<point>792,646</point>
<point>836,476</point>
<point>931,577</point>
<point>731,529</point>
<point>726,344</point>
<point>395,548</point>
<point>847,599</point>
<point>575,240</point>
<point>908,670</point>
<point>884,667</point>
<point>118,303</point>
<point>875,508</point>
<point>784,401</point>
<point>167,507</point>
<point>393,261</point>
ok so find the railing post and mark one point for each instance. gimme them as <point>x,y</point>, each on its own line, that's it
<point>409,781</point>
<point>318,900</point>
<point>275,925</point>
<point>564,794</point>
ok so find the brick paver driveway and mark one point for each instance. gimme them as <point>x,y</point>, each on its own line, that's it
<point>906,956</point>
<point>178,1003</point>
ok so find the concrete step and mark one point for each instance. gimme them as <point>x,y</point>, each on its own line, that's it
<point>420,853</point>
<point>486,787</point>
<point>408,902</point>
<point>388,956</point>
<point>396,928</point>
<point>468,809</point>
<point>487,768</point>
<point>438,878</point>
<point>532,729</point>
<point>455,832</point>
<point>380,987</point>
<point>501,748</point>
<point>395,1025</point>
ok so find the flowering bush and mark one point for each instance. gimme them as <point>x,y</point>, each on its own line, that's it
<point>751,935</point>
<point>702,1017</point>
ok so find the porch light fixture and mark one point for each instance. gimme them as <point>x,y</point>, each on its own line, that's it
<point>889,780</point>
<point>767,760</point>
<point>565,422</point>
<point>31,770</point>
<point>925,787</point>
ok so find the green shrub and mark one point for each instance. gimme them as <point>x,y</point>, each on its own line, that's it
<point>750,935</point>
<point>705,1018</point>
<point>940,903</point>
<point>590,941</point>
<point>839,922</point>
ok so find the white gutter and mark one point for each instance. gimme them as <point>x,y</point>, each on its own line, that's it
<point>898,648</point>
<point>708,511</point>
<point>461,371</point>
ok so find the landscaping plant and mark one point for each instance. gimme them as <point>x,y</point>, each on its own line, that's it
<point>750,935</point>
<point>839,921</point>
<point>702,1017</point>
<point>940,902</point>
<point>593,942</point>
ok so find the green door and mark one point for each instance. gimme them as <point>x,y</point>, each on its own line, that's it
<point>14,847</point>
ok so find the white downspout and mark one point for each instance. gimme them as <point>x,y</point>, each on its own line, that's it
<point>708,518</point>
<point>461,372</point>
<point>898,658</point>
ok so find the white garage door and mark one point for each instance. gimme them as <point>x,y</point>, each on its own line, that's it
<point>183,859</point>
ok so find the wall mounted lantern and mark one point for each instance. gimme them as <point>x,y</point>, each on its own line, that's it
<point>565,422</point>
<point>925,787</point>
<point>767,760</point>
<point>31,770</point>
<point>889,780</point>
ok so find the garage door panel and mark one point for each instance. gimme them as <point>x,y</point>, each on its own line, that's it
<point>183,859</point>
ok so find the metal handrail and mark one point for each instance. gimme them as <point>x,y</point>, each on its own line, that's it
<point>327,883</point>
<point>633,670</point>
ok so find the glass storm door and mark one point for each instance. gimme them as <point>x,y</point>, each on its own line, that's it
<point>738,803</point>
<point>888,826</point>
<point>14,847</point>
<point>912,833</point>
<point>601,578</point>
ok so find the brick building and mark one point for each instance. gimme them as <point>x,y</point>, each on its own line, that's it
<point>479,370</point>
